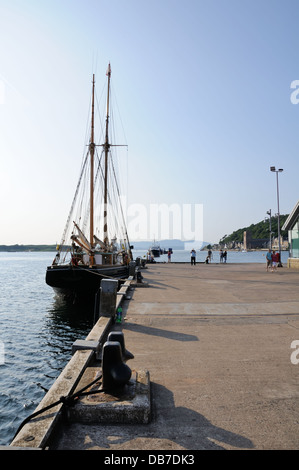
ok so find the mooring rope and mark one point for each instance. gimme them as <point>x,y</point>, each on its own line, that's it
<point>103,275</point>
<point>68,400</point>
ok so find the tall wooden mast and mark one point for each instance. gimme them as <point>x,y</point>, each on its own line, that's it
<point>91,151</point>
<point>106,148</point>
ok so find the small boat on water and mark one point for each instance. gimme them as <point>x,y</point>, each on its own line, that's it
<point>95,243</point>
<point>155,250</point>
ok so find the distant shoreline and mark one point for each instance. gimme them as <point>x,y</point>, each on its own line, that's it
<point>53,248</point>
<point>22,248</point>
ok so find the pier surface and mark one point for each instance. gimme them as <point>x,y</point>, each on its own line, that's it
<point>216,340</point>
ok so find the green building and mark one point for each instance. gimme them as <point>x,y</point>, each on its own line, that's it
<point>292,225</point>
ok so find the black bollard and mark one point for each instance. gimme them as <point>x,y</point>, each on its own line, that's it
<point>115,372</point>
<point>132,268</point>
<point>119,337</point>
<point>108,295</point>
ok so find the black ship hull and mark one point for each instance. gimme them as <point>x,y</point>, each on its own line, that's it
<point>155,252</point>
<point>76,282</point>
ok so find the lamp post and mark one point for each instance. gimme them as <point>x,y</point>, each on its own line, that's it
<point>269,214</point>
<point>272,168</point>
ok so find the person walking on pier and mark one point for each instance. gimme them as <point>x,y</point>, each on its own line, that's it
<point>275,258</point>
<point>269,259</point>
<point>193,257</point>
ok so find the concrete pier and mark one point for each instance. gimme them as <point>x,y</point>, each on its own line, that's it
<point>220,342</point>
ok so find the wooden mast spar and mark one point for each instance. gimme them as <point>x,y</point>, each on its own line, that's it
<point>91,150</point>
<point>106,148</point>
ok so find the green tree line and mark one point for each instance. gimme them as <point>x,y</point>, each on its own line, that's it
<point>261,230</point>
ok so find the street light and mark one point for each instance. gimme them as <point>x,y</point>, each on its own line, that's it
<point>269,214</point>
<point>272,168</point>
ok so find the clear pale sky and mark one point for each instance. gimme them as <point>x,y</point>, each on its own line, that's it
<point>204,92</point>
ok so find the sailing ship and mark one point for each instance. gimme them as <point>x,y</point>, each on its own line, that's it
<point>91,249</point>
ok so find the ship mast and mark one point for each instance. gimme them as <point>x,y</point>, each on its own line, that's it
<point>91,151</point>
<point>106,148</point>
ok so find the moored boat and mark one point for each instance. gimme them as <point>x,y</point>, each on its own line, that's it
<point>95,243</point>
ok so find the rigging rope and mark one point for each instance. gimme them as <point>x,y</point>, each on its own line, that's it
<point>80,208</point>
<point>74,200</point>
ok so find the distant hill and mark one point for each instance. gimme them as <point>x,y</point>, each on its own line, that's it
<point>144,245</point>
<point>20,248</point>
<point>261,230</point>
<point>175,244</point>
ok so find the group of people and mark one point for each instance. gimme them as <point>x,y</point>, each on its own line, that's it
<point>273,260</point>
<point>208,260</point>
<point>223,256</point>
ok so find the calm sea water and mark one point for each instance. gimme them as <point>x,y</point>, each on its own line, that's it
<point>37,330</point>
<point>36,336</point>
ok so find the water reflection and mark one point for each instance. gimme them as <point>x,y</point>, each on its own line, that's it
<point>76,316</point>
<point>64,323</point>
